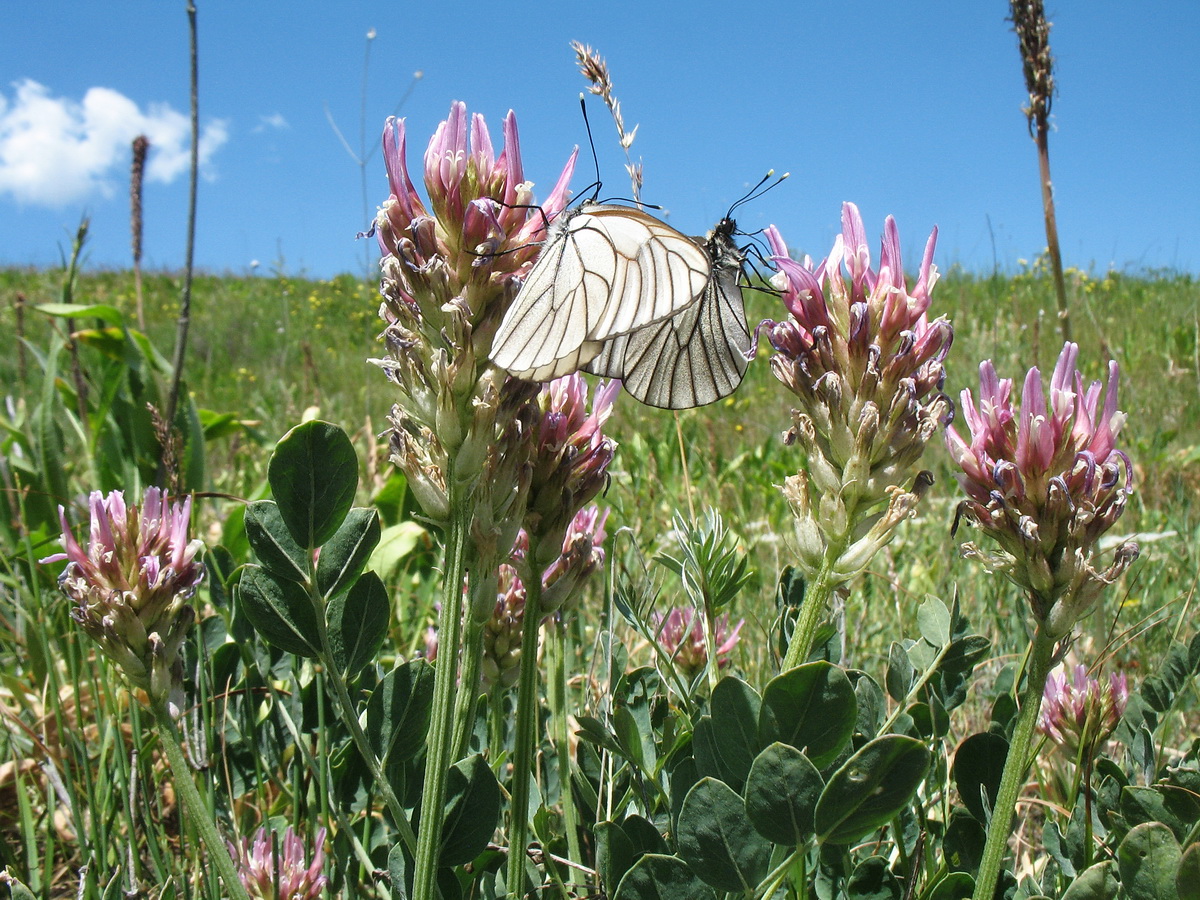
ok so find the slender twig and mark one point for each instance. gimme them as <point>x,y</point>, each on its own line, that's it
<point>68,297</point>
<point>185,300</point>
<point>19,303</point>
<point>141,144</point>
<point>1033,37</point>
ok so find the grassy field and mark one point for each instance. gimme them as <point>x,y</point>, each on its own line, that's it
<point>272,349</point>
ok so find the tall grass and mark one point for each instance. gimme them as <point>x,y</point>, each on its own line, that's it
<point>79,774</point>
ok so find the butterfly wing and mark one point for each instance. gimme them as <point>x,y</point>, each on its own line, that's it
<point>604,271</point>
<point>696,356</point>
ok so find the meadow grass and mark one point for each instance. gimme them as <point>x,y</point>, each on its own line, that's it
<point>77,772</point>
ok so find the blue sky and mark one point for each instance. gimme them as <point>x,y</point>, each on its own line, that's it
<point>907,108</point>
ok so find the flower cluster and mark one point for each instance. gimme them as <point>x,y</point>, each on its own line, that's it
<point>1082,712</point>
<point>582,553</point>
<point>865,363</point>
<point>449,271</point>
<point>570,459</point>
<point>280,873</point>
<point>1045,481</point>
<point>681,634</point>
<point>132,583</point>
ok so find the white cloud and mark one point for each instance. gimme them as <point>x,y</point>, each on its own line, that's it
<point>55,151</point>
<point>273,122</point>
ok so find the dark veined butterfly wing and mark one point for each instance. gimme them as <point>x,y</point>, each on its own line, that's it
<point>604,271</point>
<point>697,356</point>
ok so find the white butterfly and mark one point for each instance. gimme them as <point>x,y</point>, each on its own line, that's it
<point>605,271</point>
<point>696,356</point>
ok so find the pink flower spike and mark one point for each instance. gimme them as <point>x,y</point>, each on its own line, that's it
<point>510,157</point>
<point>481,146</point>
<point>928,275</point>
<point>776,242</point>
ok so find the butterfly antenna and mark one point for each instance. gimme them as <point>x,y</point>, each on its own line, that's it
<point>591,143</point>
<point>758,190</point>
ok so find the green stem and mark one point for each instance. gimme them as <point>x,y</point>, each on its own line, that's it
<point>349,716</point>
<point>559,651</point>
<point>193,806</point>
<point>526,729</point>
<point>445,681</point>
<point>816,598</point>
<point>1015,766</point>
<point>468,685</point>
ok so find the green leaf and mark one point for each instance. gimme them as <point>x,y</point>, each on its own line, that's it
<point>1187,879</point>
<point>717,840</point>
<point>358,623</point>
<point>472,811</point>
<point>657,876</point>
<point>978,765</point>
<point>102,311</point>
<point>614,854</point>
<point>955,886</point>
<point>1148,859</point>
<point>313,474</point>
<point>933,621</point>
<point>280,611</point>
<point>781,795</point>
<point>811,707</point>
<point>398,863</point>
<point>1097,883</point>
<point>643,835</point>
<point>871,788</point>
<point>734,708</point>
<point>962,846</point>
<point>345,554</point>
<point>900,673</point>
<point>397,543</point>
<point>273,544</point>
<point>398,711</point>
<point>873,880</point>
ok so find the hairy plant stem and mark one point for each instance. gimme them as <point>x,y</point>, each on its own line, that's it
<point>816,597</point>
<point>1015,765</point>
<point>526,727</point>
<point>193,805</point>
<point>441,726</point>
<point>468,684</point>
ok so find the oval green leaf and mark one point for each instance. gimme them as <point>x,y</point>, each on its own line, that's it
<point>657,876</point>
<point>1148,859</point>
<point>472,811</point>
<point>358,622</point>
<point>313,474</point>
<point>717,840</point>
<point>272,543</point>
<point>398,711</point>
<point>280,611</point>
<point>812,708</point>
<point>781,795</point>
<point>978,765</point>
<point>1097,883</point>
<point>871,788</point>
<point>734,708</point>
<point>345,554</point>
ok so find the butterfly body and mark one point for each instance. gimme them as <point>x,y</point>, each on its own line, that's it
<point>605,271</point>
